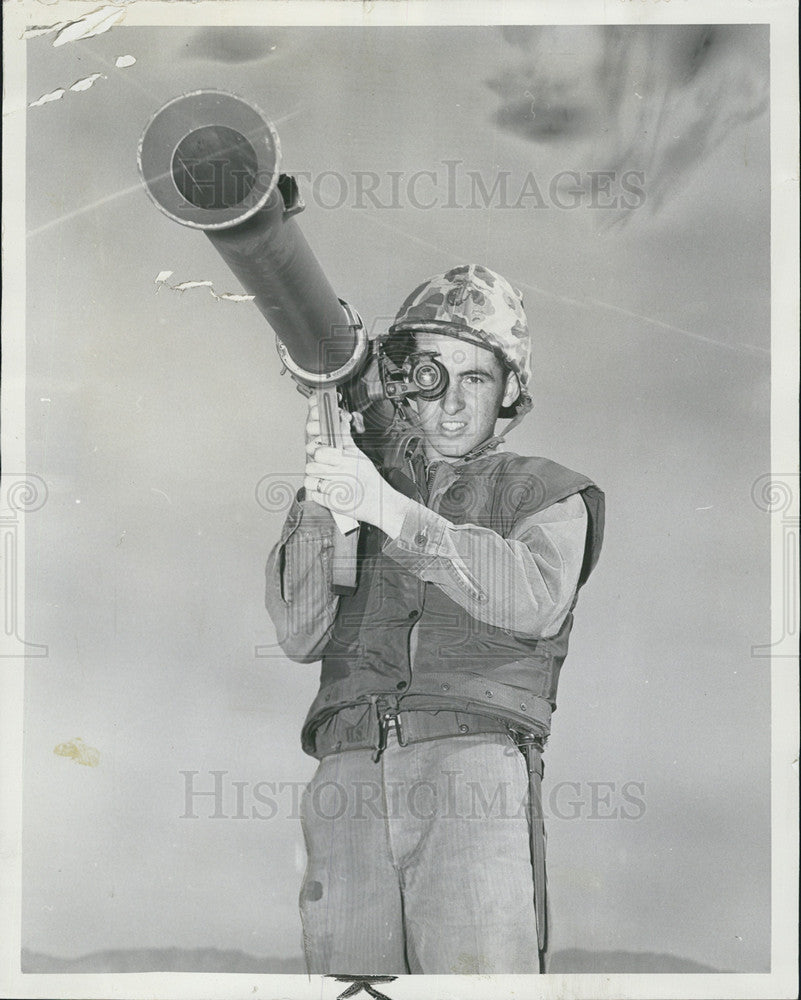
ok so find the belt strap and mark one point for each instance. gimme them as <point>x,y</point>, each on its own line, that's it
<point>352,732</point>
<point>534,764</point>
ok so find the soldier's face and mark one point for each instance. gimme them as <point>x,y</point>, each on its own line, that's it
<point>465,416</point>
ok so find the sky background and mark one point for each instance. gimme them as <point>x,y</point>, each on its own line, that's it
<point>153,415</point>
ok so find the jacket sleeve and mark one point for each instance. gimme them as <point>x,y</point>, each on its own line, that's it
<point>298,594</point>
<point>525,582</point>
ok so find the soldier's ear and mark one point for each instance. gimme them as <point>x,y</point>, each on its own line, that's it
<point>511,391</point>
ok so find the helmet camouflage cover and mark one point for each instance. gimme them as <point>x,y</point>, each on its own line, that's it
<point>475,304</point>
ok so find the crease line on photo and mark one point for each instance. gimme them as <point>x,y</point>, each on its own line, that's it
<point>585,302</point>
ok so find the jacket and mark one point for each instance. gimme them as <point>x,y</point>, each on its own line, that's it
<point>433,632</point>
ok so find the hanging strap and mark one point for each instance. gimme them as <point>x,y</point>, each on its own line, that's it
<point>533,756</point>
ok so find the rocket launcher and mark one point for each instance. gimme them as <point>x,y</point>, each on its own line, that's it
<point>211,161</point>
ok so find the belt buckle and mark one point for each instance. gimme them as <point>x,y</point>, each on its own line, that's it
<point>387,715</point>
<point>395,726</point>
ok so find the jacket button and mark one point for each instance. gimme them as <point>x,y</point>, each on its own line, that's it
<point>420,538</point>
<point>413,614</point>
<point>401,685</point>
<point>445,687</point>
<point>488,694</point>
<point>523,706</point>
<point>464,729</point>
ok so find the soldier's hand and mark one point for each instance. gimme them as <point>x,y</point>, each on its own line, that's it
<point>345,480</point>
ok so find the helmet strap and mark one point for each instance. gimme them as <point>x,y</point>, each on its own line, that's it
<point>497,439</point>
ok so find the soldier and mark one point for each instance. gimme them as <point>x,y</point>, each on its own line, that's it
<point>423,822</point>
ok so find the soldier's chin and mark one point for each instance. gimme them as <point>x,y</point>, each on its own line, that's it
<point>450,447</point>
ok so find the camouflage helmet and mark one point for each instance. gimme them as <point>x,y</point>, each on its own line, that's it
<point>473,303</point>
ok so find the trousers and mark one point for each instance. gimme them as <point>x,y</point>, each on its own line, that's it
<point>420,862</point>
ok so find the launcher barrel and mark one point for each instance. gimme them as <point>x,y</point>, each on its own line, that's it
<point>211,161</point>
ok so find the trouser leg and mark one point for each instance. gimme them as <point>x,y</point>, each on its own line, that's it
<point>420,863</point>
<point>350,900</point>
<point>463,849</point>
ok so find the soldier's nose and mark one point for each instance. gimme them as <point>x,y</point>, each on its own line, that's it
<point>453,400</point>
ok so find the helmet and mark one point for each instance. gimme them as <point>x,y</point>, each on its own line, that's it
<point>473,303</point>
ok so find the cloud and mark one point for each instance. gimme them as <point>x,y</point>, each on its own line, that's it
<point>232,45</point>
<point>651,98</point>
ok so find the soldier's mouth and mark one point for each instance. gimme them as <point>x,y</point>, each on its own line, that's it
<point>452,426</point>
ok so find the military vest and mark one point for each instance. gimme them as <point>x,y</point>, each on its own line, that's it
<point>400,641</point>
